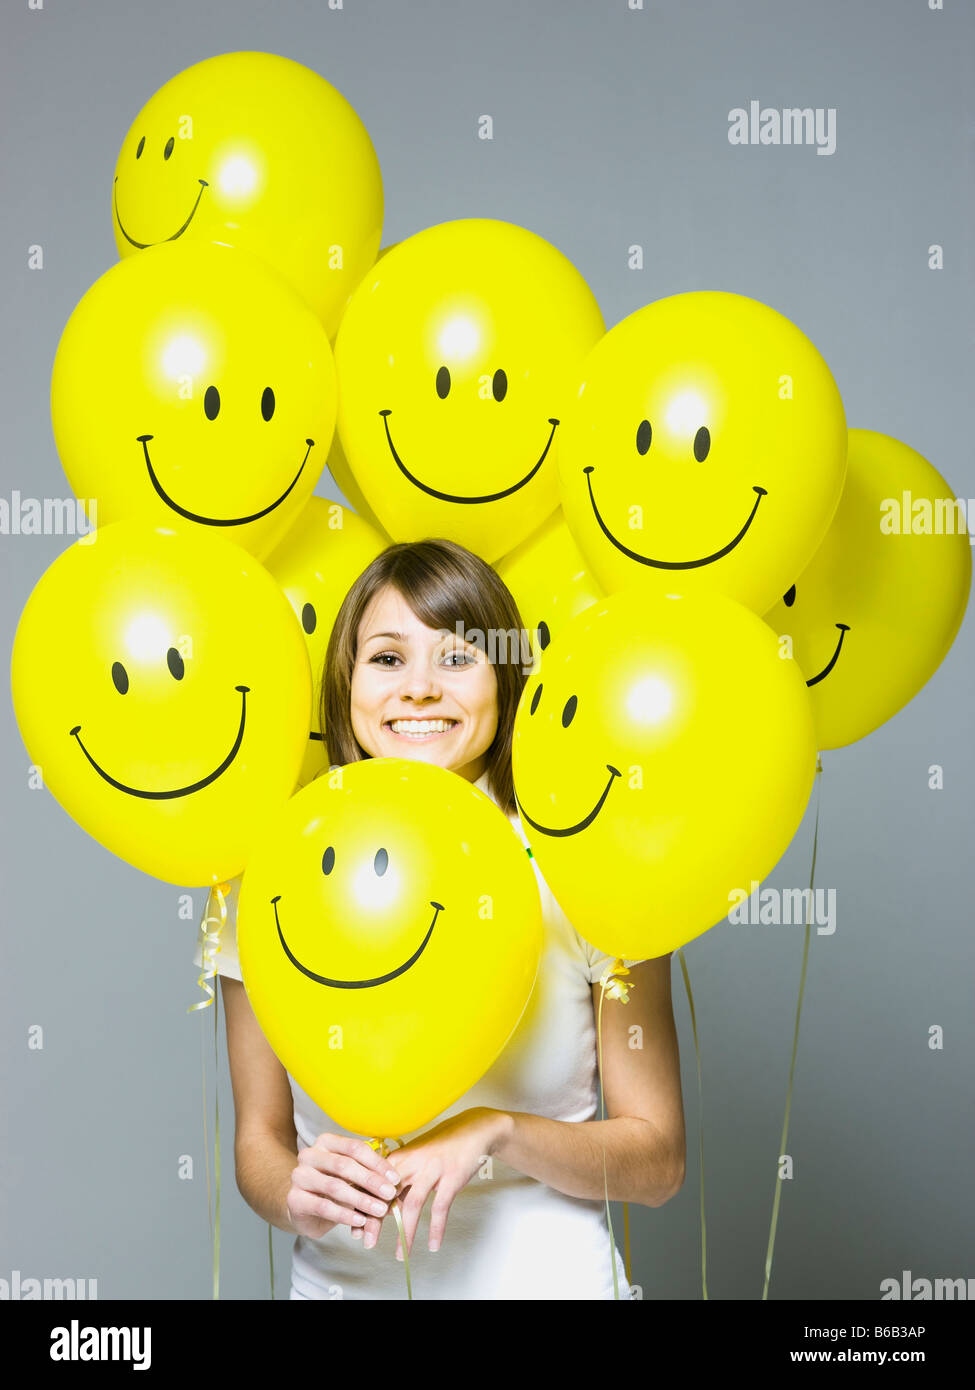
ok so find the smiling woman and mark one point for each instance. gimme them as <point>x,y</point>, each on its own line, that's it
<point>517,1163</point>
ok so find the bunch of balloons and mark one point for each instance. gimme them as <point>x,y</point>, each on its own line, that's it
<point>649,494</point>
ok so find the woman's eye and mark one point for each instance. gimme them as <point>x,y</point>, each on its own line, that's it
<point>459,659</point>
<point>385,658</point>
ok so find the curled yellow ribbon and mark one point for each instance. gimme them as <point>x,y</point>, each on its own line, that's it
<point>214,920</point>
<point>213,923</point>
<point>382,1148</point>
<point>613,984</point>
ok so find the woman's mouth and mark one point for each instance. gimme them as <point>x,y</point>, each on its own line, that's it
<point>419,730</point>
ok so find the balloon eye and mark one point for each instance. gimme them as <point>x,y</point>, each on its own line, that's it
<point>170,144</point>
<point>267,403</point>
<point>121,677</point>
<point>211,403</point>
<point>544,636</point>
<point>535,699</point>
<point>328,860</point>
<point>644,434</point>
<point>175,663</point>
<point>443,383</point>
<point>140,148</point>
<point>499,385</point>
<point>569,711</point>
<point>789,598</point>
<point>702,443</point>
<point>381,862</point>
<point>309,618</point>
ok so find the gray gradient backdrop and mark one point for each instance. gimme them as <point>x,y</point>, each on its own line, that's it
<point>610,128</point>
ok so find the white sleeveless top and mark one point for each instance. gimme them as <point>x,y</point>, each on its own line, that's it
<point>508,1236</point>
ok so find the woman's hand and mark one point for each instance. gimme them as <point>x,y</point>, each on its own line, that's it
<point>446,1158</point>
<point>340,1180</point>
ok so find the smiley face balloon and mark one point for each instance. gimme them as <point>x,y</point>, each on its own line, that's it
<point>456,358</point>
<point>873,615</point>
<point>663,757</point>
<point>389,932</point>
<point>255,151</point>
<point>706,450</point>
<point>549,580</point>
<point>316,564</point>
<point>192,387</point>
<point>161,682</point>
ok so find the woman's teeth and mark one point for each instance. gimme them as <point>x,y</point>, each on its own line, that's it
<point>416,728</point>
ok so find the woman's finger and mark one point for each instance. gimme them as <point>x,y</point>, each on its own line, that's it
<point>339,1191</point>
<point>418,1193</point>
<point>307,1204</point>
<point>352,1168</point>
<point>439,1212</point>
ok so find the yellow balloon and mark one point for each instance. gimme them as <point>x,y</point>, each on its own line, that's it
<point>255,151</point>
<point>316,564</point>
<point>192,387</point>
<point>663,757</point>
<point>706,450</point>
<point>871,618</point>
<point>363,918</point>
<point>338,466</point>
<point>456,357</point>
<point>549,580</point>
<point>161,682</point>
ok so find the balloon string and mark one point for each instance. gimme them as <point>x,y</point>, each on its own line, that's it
<point>626,1242</point>
<point>216,1153</point>
<point>382,1148</point>
<point>795,1043</point>
<point>700,1124</point>
<point>612,983</point>
<point>206,1137</point>
<point>211,926</point>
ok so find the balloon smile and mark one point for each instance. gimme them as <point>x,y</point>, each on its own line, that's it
<point>142,245</point>
<point>672,564</point>
<point>572,829</point>
<point>356,984</point>
<point>844,629</point>
<point>211,520</point>
<point>178,791</point>
<point>453,497</point>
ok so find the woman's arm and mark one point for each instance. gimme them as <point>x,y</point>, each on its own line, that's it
<point>265,1142</point>
<point>340,1179</point>
<point>643,1138</point>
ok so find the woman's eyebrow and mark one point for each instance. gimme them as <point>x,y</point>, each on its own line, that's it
<point>398,636</point>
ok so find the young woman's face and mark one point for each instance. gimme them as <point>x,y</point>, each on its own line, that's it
<point>417,693</point>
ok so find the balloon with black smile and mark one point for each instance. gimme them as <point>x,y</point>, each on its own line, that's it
<point>389,933</point>
<point>705,450</point>
<point>316,564</point>
<point>255,151</point>
<point>193,388</point>
<point>456,357</point>
<point>663,756</point>
<point>873,615</point>
<point>161,682</point>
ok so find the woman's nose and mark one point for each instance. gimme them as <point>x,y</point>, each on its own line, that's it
<point>420,682</point>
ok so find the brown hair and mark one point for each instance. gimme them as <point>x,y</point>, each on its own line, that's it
<point>444,584</point>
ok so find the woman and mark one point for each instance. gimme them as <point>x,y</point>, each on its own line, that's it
<point>517,1163</point>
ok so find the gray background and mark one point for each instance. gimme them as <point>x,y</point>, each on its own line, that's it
<point>610,128</point>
